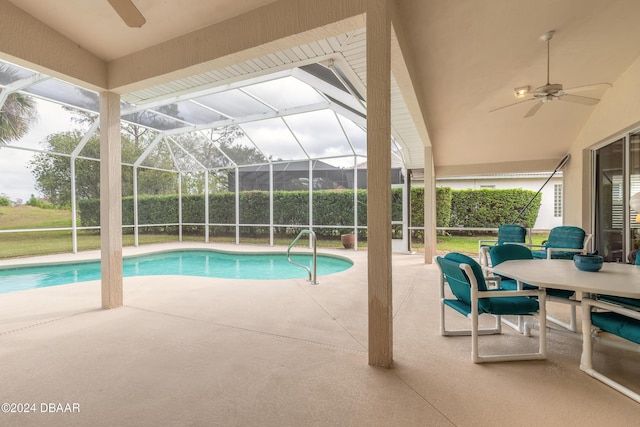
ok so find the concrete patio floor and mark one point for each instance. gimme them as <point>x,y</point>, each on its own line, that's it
<point>187,351</point>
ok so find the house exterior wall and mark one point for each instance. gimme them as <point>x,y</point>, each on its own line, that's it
<point>617,113</point>
<point>546,219</point>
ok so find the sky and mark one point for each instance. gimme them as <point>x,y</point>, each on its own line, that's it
<point>16,181</point>
<point>319,132</point>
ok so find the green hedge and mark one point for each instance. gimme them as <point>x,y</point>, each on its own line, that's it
<point>483,208</point>
<point>492,208</point>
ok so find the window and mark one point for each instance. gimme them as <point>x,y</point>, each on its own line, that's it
<point>557,200</point>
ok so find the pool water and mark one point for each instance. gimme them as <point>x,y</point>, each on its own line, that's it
<point>205,263</point>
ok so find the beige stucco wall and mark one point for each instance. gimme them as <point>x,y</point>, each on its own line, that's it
<point>617,113</point>
<point>28,42</point>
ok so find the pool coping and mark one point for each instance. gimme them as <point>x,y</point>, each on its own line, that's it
<point>155,248</point>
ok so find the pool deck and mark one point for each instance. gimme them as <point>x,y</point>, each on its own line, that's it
<point>220,352</point>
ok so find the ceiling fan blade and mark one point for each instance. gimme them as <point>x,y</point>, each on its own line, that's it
<point>128,12</point>
<point>584,100</point>
<point>511,105</point>
<point>533,109</point>
<point>587,87</point>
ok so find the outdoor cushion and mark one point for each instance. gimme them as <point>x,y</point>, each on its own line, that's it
<point>617,324</point>
<point>459,285</point>
<point>511,233</point>
<point>565,236</point>
<point>500,254</point>
<point>477,270</point>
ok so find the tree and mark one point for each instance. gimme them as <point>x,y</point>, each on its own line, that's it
<point>17,114</point>
<point>53,172</point>
<point>213,149</point>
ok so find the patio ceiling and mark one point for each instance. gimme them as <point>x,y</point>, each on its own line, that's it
<point>300,104</point>
<point>464,58</point>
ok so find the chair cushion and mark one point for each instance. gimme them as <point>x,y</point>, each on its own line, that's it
<point>511,305</point>
<point>539,254</point>
<point>566,237</point>
<point>617,324</point>
<point>459,306</point>
<point>507,252</point>
<point>456,279</point>
<point>511,233</point>
<point>560,293</point>
<point>512,285</point>
<point>477,270</point>
<point>460,287</point>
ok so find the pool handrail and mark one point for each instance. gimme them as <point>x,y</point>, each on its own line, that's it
<point>311,280</point>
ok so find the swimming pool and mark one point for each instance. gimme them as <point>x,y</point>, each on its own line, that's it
<point>207,263</point>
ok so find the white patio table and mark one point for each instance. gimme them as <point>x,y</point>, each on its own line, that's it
<point>613,279</point>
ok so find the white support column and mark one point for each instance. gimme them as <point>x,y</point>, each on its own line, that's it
<point>379,183</point>
<point>310,202</point>
<point>430,238</point>
<point>180,206</point>
<point>206,206</point>
<point>355,202</point>
<point>135,206</point>
<point>271,227</point>
<point>74,221</point>
<point>110,200</point>
<point>406,212</point>
<point>237,205</point>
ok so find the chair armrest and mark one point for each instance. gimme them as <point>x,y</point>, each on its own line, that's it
<point>483,242</point>
<point>500,294</point>
<point>551,250</point>
<point>616,308</point>
<point>533,246</point>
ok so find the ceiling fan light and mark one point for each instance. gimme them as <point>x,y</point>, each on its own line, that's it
<point>521,92</point>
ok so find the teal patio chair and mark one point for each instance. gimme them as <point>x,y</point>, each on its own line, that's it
<point>618,316</point>
<point>509,233</point>
<point>471,298</point>
<point>508,252</point>
<point>563,243</point>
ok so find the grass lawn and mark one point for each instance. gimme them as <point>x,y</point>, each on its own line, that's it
<point>50,242</point>
<point>469,244</point>
<point>25,217</point>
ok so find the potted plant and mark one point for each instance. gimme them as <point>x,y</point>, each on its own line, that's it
<point>348,240</point>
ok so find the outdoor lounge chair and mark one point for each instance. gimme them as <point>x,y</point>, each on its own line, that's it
<point>616,315</point>
<point>509,233</point>
<point>500,254</point>
<point>471,298</point>
<point>563,243</point>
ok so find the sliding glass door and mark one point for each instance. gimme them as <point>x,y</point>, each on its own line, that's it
<point>634,185</point>
<point>617,178</point>
<point>609,162</point>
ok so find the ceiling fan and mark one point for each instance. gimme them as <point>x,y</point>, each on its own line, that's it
<point>554,91</point>
<point>128,12</point>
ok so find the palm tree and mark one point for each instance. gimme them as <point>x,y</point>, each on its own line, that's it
<point>17,114</point>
